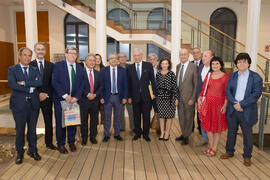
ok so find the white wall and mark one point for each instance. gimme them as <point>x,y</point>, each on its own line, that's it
<point>5,26</point>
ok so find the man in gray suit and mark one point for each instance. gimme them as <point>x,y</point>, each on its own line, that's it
<point>186,73</point>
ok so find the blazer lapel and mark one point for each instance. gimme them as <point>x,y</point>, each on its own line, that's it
<point>186,73</point>
<point>66,74</point>
<point>135,71</point>
<point>19,70</point>
<point>234,83</point>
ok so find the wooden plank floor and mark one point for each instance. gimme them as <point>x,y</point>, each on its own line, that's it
<point>141,160</point>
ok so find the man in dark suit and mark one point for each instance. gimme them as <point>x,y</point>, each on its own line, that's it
<point>243,90</point>
<point>115,93</point>
<point>24,103</point>
<point>123,64</point>
<point>197,56</point>
<point>202,72</point>
<point>45,91</point>
<point>186,73</point>
<point>93,86</point>
<point>67,82</point>
<point>140,76</point>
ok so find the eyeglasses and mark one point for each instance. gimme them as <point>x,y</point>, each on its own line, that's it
<point>72,53</point>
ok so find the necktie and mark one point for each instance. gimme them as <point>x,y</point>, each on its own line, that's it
<point>41,68</point>
<point>25,74</point>
<point>114,82</point>
<point>73,74</point>
<point>91,82</point>
<point>138,71</point>
<point>181,75</point>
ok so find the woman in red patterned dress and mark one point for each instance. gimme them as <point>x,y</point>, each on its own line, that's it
<point>214,121</point>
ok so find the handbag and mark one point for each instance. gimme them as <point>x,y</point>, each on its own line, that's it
<point>155,122</point>
<point>70,114</point>
<point>203,109</point>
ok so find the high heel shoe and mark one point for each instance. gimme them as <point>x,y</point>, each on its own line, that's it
<point>166,139</point>
<point>161,138</point>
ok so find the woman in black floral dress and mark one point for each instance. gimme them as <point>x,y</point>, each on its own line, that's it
<point>167,96</point>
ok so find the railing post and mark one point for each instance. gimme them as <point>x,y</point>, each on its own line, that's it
<point>261,123</point>
<point>192,38</point>
<point>199,34</point>
<point>266,75</point>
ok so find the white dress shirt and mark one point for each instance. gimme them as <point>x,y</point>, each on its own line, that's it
<point>69,75</point>
<point>88,76</point>
<point>38,63</point>
<point>241,85</point>
<point>204,72</point>
<point>136,65</point>
<point>111,73</point>
<point>27,70</point>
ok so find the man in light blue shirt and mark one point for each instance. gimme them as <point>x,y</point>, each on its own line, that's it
<point>243,90</point>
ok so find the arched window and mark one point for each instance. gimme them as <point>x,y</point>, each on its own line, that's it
<point>159,18</point>
<point>225,20</point>
<point>77,35</point>
<point>120,16</point>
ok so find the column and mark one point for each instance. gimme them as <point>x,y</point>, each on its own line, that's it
<point>101,35</point>
<point>30,14</point>
<point>176,31</point>
<point>253,19</point>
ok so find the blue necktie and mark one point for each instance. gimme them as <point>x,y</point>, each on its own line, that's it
<point>138,71</point>
<point>114,82</point>
<point>25,74</point>
<point>41,68</point>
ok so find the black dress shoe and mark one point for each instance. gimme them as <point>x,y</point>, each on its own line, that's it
<point>185,141</point>
<point>136,137</point>
<point>119,138</point>
<point>106,139</point>
<point>19,159</point>
<point>35,156</point>
<point>72,147</point>
<point>180,138</point>
<point>84,142</point>
<point>146,138</point>
<point>51,146</point>
<point>93,140</point>
<point>62,149</point>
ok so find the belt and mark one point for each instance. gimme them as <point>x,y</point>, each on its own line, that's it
<point>28,99</point>
<point>113,94</point>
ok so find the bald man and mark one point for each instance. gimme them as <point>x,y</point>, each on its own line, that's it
<point>186,73</point>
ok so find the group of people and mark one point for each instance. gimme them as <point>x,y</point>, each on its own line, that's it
<point>222,101</point>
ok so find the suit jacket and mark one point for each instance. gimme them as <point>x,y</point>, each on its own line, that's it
<point>98,88</point>
<point>252,94</point>
<point>19,93</point>
<point>61,82</point>
<point>138,88</point>
<point>199,81</point>
<point>47,77</point>
<point>122,84</point>
<point>189,84</point>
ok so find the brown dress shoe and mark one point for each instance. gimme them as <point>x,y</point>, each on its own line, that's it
<point>72,147</point>
<point>62,149</point>
<point>225,156</point>
<point>247,161</point>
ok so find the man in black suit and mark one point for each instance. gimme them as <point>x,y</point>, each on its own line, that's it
<point>140,75</point>
<point>92,90</point>
<point>197,56</point>
<point>45,91</point>
<point>24,103</point>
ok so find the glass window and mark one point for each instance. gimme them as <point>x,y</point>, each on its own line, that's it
<point>114,46</point>
<point>159,18</point>
<point>77,35</point>
<point>120,16</point>
<point>151,48</point>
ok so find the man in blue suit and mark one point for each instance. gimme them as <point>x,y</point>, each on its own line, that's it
<point>67,82</point>
<point>243,90</point>
<point>115,93</point>
<point>24,102</point>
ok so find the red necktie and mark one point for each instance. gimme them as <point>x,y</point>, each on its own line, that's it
<point>91,82</point>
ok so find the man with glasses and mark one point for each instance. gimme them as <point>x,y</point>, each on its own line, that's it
<point>67,82</point>
<point>115,93</point>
